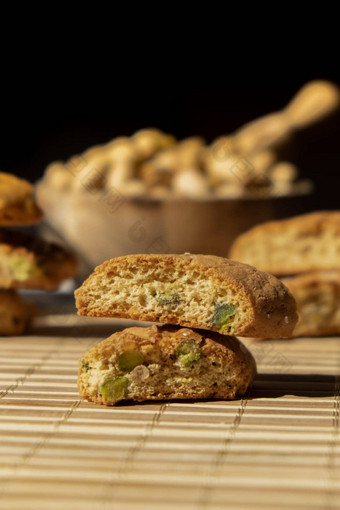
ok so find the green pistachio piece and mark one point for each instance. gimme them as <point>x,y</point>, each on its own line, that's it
<point>187,352</point>
<point>168,298</point>
<point>114,389</point>
<point>128,360</point>
<point>22,269</point>
<point>85,365</point>
<point>223,316</point>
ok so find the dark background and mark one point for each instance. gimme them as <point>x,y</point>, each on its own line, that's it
<point>54,120</point>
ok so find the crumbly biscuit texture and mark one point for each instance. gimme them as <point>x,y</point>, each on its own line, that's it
<point>17,205</point>
<point>15,313</point>
<point>165,362</point>
<point>317,296</point>
<point>197,291</point>
<point>310,242</point>
<point>30,262</point>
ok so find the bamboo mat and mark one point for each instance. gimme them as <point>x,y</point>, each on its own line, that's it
<point>276,448</point>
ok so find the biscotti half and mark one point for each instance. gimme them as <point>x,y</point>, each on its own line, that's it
<point>197,291</point>
<point>15,313</point>
<point>32,263</point>
<point>165,362</point>
<point>17,205</point>
<point>317,296</point>
<point>304,243</point>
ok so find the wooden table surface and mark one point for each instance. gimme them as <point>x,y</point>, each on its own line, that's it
<point>276,448</point>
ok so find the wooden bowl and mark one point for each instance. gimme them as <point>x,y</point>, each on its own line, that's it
<point>100,226</point>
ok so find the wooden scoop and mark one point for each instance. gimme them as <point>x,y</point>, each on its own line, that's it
<point>312,103</point>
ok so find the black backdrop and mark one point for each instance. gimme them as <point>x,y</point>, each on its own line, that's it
<point>54,120</point>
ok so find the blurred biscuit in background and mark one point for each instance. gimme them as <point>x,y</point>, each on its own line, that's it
<point>17,205</point>
<point>15,313</point>
<point>306,251</point>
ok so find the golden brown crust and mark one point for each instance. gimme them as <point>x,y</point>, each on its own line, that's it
<point>15,313</point>
<point>318,299</point>
<point>269,308</point>
<point>17,205</point>
<point>49,264</point>
<point>222,359</point>
<point>304,243</point>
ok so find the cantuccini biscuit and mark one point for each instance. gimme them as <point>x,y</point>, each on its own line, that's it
<point>29,262</point>
<point>165,362</point>
<point>310,242</point>
<point>15,313</point>
<point>17,205</point>
<point>317,296</point>
<point>197,291</point>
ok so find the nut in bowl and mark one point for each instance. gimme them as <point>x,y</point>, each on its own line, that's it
<point>152,193</point>
<point>161,196</point>
<point>152,164</point>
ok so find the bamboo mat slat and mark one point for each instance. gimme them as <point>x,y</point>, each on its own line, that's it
<point>276,448</point>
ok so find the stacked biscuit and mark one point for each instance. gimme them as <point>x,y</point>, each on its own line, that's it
<point>202,300</point>
<point>305,252</point>
<point>26,262</point>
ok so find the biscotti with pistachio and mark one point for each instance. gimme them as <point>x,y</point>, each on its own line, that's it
<point>27,262</point>
<point>15,313</point>
<point>310,242</point>
<point>165,362</point>
<point>17,204</point>
<point>317,295</point>
<point>195,291</point>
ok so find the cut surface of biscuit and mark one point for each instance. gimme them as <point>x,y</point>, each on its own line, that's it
<point>317,296</point>
<point>29,262</point>
<point>17,205</point>
<point>15,313</point>
<point>304,243</point>
<point>199,291</point>
<point>165,362</point>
